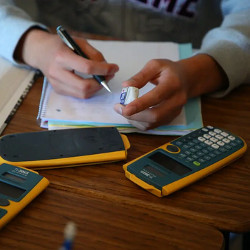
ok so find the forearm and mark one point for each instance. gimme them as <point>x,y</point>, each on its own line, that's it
<point>202,75</point>
<point>14,22</point>
<point>229,44</point>
<point>29,51</point>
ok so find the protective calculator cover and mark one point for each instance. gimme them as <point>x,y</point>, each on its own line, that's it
<point>63,148</point>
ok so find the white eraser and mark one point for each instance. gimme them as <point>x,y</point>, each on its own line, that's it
<point>128,95</point>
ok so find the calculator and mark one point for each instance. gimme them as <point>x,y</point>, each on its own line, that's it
<point>18,187</point>
<point>185,160</point>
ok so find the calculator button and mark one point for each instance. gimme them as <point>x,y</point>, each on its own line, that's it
<point>208,142</point>
<point>198,147</point>
<point>217,131</point>
<point>228,147</point>
<point>226,140</point>
<point>202,160</point>
<point>4,202</point>
<point>201,139</point>
<point>189,159</point>
<point>204,129</point>
<point>222,149</point>
<point>215,146</point>
<point>178,143</point>
<point>195,156</point>
<point>210,149</point>
<point>212,155</point>
<point>205,151</point>
<point>196,163</point>
<point>220,143</point>
<point>212,133</point>
<point>207,136</point>
<point>230,137</point>
<point>219,137</point>
<point>213,139</point>
<point>224,134</point>
<point>210,127</point>
<point>217,152</point>
<point>238,141</point>
<point>181,155</point>
<point>200,153</point>
<point>172,148</point>
<point>206,157</point>
<point>192,150</point>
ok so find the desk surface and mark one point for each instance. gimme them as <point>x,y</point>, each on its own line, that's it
<point>221,200</point>
<point>102,224</point>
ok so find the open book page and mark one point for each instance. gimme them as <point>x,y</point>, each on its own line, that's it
<point>59,111</point>
<point>14,83</point>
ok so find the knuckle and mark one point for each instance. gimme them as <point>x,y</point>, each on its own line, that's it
<point>154,62</point>
<point>87,68</point>
<point>59,56</point>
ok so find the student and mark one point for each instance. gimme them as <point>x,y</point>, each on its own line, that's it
<point>221,63</point>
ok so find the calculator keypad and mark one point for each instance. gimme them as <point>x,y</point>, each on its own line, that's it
<point>206,145</point>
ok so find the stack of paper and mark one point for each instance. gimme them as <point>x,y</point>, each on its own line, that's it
<point>58,111</point>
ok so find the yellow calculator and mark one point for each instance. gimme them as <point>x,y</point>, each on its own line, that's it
<point>64,148</point>
<point>185,160</point>
<point>18,187</point>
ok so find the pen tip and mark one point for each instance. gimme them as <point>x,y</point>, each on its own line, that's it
<point>106,86</point>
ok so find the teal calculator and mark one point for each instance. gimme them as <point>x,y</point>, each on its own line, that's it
<point>185,160</point>
<point>18,187</point>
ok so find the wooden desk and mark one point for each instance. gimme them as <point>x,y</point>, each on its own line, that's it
<point>102,224</point>
<point>221,200</point>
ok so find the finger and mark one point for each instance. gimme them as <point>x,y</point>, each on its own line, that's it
<point>148,73</point>
<point>144,116</point>
<point>90,51</point>
<point>73,85</point>
<point>140,125</point>
<point>155,116</point>
<point>154,97</point>
<point>71,61</point>
<point>86,66</point>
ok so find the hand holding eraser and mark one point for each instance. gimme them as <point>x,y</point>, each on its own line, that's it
<point>128,95</point>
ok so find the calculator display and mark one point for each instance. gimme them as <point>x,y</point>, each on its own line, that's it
<point>10,190</point>
<point>13,177</point>
<point>169,163</point>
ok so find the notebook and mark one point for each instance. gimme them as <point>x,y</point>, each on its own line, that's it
<point>15,83</point>
<point>59,112</point>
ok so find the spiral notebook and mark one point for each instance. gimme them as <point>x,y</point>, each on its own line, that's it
<point>59,112</point>
<point>15,83</point>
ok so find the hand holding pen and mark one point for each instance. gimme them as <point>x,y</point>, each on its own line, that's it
<point>68,40</point>
<point>59,64</point>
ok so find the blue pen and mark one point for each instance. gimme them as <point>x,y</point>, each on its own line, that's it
<point>69,235</point>
<point>68,40</point>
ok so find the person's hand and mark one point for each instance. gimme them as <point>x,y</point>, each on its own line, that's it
<point>175,83</point>
<point>47,52</point>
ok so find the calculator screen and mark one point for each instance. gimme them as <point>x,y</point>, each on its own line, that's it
<point>10,190</point>
<point>169,163</point>
<point>13,177</point>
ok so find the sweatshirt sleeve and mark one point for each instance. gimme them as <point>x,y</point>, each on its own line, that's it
<point>14,22</point>
<point>229,44</point>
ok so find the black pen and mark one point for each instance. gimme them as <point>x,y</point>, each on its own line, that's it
<point>68,40</point>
